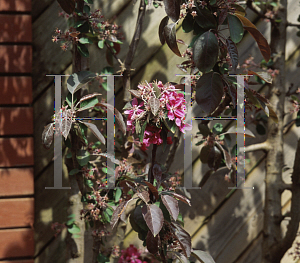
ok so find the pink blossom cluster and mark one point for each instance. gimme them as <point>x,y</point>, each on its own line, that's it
<point>131,255</point>
<point>171,107</point>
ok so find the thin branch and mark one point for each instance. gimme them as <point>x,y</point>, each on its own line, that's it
<point>257,10</point>
<point>291,24</point>
<point>132,49</point>
<point>263,146</point>
<point>172,152</point>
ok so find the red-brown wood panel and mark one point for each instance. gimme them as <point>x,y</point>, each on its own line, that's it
<point>15,90</point>
<point>15,5</point>
<point>18,261</point>
<point>15,28</point>
<point>16,243</point>
<point>15,59</point>
<point>16,152</point>
<point>15,121</point>
<point>17,212</point>
<point>16,181</point>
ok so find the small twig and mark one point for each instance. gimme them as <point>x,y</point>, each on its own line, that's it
<point>263,146</point>
<point>291,24</point>
<point>132,49</point>
<point>257,10</point>
<point>172,152</point>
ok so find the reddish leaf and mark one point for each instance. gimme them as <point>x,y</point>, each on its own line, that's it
<point>161,33</point>
<point>265,76</point>
<point>152,243</point>
<point>205,51</point>
<point>95,131</point>
<point>233,53</point>
<point>205,19</point>
<point>171,204</point>
<point>47,135</point>
<point>209,91</point>
<point>170,37</point>
<point>172,8</point>
<point>214,158</point>
<point>233,94</point>
<point>184,239</point>
<point>118,115</point>
<point>118,212</point>
<point>154,218</point>
<point>67,5</point>
<point>259,38</point>
<point>152,189</point>
<point>154,105</point>
<point>181,198</point>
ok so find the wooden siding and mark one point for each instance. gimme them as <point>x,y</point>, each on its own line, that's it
<point>16,133</point>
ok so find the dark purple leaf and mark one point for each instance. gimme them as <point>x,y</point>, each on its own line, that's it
<point>118,212</point>
<point>154,218</point>
<point>205,51</point>
<point>240,130</point>
<point>118,115</point>
<point>181,198</point>
<point>214,158</point>
<point>265,76</point>
<point>204,153</point>
<point>233,53</point>
<point>226,155</point>
<point>172,8</point>
<point>157,173</point>
<point>205,18</point>
<point>152,243</point>
<point>135,93</point>
<point>144,196</point>
<point>161,33</point>
<point>95,131</point>
<point>77,80</point>
<point>171,204</point>
<point>202,256</point>
<point>67,5</point>
<point>154,105</point>
<point>47,135</point>
<point>66,122</point>
<point>223,15</point>
<point>233,94</point>
<point>170,37</point>
<point>209,91</point>
<point>184,239</point>
<point>152,189</point>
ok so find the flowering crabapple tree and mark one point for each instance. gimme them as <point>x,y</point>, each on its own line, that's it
<point>155,117</point>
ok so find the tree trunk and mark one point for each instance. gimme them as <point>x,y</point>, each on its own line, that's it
<point>274,162</point>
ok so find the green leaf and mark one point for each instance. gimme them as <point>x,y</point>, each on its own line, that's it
<point>101,43</point>
<point>188,23</point>
<point>77,80</point>
<point>118,194</point>
<point>74,229</point>
<point>298,119</point>
<point>209,91</point>
<point>89,1</point>
<point>83,50</point>
<point>101,258</point>
<point>89,183</point>
<point>236,28</point>
<point>212,2</point>
<point>71,22</point>
<point>85,40</point>
<point>89,103</point>
<point>143,128</point>
<point>83,157</point>
<point>170,37</point>
<point>218,128</point>
<point>78,23</point>
<point>74,171</point>
<point>205,51</point>
<point>87,9</point>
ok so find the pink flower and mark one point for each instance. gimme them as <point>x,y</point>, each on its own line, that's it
<point>131,255</point>
<point>152,136</point>
<point>133,113</point>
